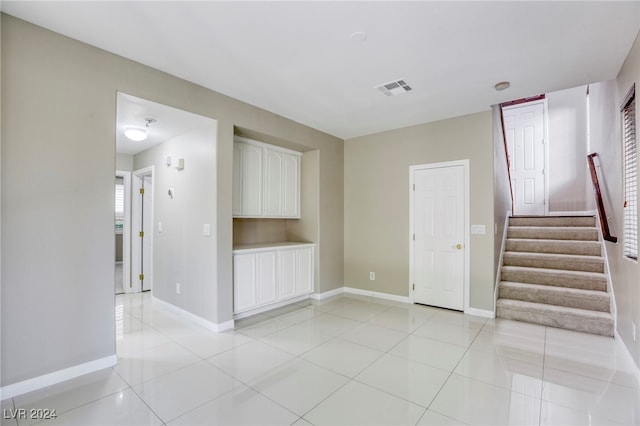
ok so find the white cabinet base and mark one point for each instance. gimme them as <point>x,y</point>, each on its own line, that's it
<point>266,308</point>
<point>266,277</point>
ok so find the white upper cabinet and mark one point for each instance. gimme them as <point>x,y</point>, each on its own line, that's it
<point>266,180</point>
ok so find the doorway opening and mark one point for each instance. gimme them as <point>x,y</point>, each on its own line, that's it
<point>142,244</point>
<point>525,133</point>
<point>122,231</point>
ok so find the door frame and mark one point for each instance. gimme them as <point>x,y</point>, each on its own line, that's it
<point>126,231</point>
<point>412,170</point>
<point>545,131</point>
<point>136,213</point>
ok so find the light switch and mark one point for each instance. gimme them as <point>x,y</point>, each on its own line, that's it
<point>478,229</point>
<point>160,227</point>
<point>206,230</point>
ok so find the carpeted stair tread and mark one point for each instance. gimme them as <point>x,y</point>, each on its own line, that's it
<point>556,277</point>
<point>553,232</point>
<point>588,221</point>
<point>554,261</point>
<point>556,316</point>
<point>560,296</point>
<point>585,248</point>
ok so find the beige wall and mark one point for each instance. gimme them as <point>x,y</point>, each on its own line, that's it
<point>124,162</point>
<point>606,140</point>
<point>57,185</point>
<point>567,145</point>
<point>181,254</point>
<point>502,207</point>
<point>377,201</point>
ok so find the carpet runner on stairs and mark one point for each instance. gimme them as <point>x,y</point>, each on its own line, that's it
<point>553,274</point>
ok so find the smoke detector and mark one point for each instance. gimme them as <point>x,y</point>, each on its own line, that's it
<point>395,87</point>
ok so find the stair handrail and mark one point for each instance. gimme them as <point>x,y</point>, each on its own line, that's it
<point>604,222</point>
<point>506,153</point>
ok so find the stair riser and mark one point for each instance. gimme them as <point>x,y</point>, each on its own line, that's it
<point>553,221</point>
<point>586,325</point>
<point>585,266</point>
<point>553,234</point>
<point>584,248</point>
<point>555,279</point>
<point>555,298</point>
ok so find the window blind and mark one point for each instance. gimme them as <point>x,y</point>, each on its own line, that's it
<point>630,177</point>
<point>119,210</point>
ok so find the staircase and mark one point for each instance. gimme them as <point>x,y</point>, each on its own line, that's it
<point>553,274</point>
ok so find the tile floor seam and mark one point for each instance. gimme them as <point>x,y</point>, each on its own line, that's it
<point>199,405</point>
<point>276,402</point>
<point>544,359</point>
<point>451,374</point>
<point>88,402</point>
<point>148,406</point>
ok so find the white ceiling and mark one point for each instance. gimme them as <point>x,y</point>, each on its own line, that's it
<point>297,59</point>
<point>169,123</point>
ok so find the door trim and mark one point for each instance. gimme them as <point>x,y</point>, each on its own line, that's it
<point>412,170</point>
<point>126,230</point>
<point>138,176</point>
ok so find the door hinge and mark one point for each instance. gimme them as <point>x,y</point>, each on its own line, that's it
<point>141,276</point>
<point>141,191</point>
<point>414,186</point>
<point>141,234</point>
<point>414,237</point>
<point>414,286</point>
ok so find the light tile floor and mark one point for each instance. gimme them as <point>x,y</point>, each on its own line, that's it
<point>349,360</point>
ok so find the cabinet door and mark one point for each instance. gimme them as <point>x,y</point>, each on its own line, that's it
<point>237,179</point>
<point>286,274</point>
<point>251,180</point>
<point>290,185</point>
<point>266,278</point>
<point>273,180</point>
<point>304,270</point>
<point>244,282</point>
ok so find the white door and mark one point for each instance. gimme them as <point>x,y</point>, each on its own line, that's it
<point>273,172</point>
<point>251,180</point>
<point>266,276</point>
<point>290,184</point>
<point>439,236</point>
<point>147,229</point>
<point>244,282</point>
<point>286,274</point>
<point>524,130</point>
<point>304,271</point>
<point>142,230</point>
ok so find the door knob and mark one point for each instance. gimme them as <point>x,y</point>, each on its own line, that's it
<point>458,246</point>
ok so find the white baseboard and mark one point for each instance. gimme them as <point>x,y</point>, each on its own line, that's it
<point>56,377</point>
<point>386,296</point>
<point>480,312</point>
<point>327,294</point>
<point>215,327</point>
<point>270,307</point>
<point>376,294</point>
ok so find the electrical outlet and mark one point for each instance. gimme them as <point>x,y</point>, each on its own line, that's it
<point>372,276</point>
<point>178,288</point>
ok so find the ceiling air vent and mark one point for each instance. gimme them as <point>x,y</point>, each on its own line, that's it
<point>394,87</point>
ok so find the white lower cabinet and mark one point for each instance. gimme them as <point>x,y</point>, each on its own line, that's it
<point>271,275</point>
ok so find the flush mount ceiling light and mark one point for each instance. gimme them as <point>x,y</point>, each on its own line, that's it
<point>137,134</point>
<point>502,85</point>
<point>359,36</point>
<point>395,87</point>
